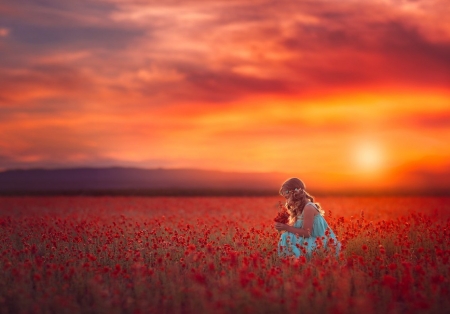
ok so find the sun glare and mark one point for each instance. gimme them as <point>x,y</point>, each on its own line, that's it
<point>368,156</point>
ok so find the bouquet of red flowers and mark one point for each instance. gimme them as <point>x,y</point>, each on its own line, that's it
<point>282,216</point>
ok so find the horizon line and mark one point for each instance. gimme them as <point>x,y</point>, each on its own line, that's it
<point>137,167</point>
<point>155,192</point>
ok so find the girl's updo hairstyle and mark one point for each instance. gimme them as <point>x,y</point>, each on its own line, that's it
<point>296,198</point>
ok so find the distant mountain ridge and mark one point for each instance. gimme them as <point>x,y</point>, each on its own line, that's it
<point>121,178</point>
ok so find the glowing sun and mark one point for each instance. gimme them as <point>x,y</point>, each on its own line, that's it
<point>368,156</point>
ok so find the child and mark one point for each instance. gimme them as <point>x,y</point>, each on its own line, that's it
<point>307,226</point>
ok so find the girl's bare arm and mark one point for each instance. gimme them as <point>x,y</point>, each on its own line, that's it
<point>308,218</point>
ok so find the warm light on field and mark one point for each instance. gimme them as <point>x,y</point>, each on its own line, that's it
<point>218,255</point>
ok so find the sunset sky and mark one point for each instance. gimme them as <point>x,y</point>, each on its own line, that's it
<point>343,94</point>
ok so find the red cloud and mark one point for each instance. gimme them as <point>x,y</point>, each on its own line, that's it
<point>192,83</point>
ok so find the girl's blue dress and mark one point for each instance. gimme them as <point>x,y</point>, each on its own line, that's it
<point>292,244</point>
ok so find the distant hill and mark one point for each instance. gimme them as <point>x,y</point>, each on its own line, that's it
<point>118,180</point>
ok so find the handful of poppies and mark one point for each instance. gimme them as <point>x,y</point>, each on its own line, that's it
<point>282,215</point>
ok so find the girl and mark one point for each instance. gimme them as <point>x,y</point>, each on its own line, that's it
<point>307,226</point>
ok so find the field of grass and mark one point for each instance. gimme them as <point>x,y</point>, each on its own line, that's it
<point>219,255</point>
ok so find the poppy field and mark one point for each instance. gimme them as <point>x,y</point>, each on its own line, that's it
<point>219,255</point>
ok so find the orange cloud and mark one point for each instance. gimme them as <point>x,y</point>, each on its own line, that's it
<point>344,91</point>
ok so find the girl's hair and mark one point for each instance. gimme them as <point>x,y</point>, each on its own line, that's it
<point>297,198</point>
